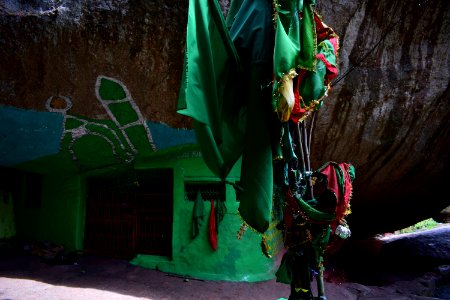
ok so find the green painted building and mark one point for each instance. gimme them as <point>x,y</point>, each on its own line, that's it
<point>122,187</point>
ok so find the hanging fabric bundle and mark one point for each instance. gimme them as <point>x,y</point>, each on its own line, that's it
<point>197,215</point>
<point>339,182</point>
<point>249,84</point>
<point>224,96</point>
<point>305,59</point>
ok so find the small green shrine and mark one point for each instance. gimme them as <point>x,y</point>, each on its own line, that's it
<point>121,187</point>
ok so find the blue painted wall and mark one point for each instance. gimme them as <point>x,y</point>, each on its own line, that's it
<point>26,135</point>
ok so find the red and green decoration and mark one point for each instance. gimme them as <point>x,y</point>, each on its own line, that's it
<point>249,83</point>
<point>305,59</point>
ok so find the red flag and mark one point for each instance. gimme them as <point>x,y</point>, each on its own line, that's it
<point>212,228</point>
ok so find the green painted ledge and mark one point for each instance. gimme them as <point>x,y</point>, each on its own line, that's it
<point>165,264</point>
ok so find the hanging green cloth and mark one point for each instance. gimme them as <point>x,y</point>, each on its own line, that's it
<point>251,31</point>
<point>197,215</point>
<point>295,39</point>
<point>312,85</point>
<point>221,210</point>
<point>295,45</point>
<point>256,170</point>
<point>205,94</point>
<point>284,273</point>
<point>225,99</point>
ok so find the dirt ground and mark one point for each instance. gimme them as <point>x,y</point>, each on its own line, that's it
<point>26,277</point>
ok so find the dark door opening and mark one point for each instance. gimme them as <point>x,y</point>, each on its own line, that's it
<point>130,214</point>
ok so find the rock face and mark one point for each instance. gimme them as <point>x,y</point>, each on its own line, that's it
<point>49,52</point>
<point>389,116</point>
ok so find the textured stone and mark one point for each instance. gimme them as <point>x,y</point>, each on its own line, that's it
<point>141,43</point>
<point>389,116</point>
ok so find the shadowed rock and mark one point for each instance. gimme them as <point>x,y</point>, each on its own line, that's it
<point>389,117</point>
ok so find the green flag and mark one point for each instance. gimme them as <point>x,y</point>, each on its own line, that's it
<point>225,99</point>
<point>206,92</point>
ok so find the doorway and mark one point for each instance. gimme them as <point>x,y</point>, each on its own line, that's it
<point>129,214</point>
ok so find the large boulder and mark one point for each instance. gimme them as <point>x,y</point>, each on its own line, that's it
<point>388,115</point>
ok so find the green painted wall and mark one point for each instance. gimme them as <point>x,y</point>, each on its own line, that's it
<point>49,198</point>
<point>7,222</point>
<point>235,259</point>
<point>59,215</point>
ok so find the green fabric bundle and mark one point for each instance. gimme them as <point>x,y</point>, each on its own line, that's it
<point>210,59</point>
<point>197,215</point>
<point>225,100</point>
<point>295,42</point>
<point>252,34</point>
<point>312,213</point>
<point>227,86</point>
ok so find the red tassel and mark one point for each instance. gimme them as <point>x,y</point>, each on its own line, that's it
<point>212,228</point>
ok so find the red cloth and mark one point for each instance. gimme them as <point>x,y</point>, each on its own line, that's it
<point>332,71</point>
<point>323,32</point>
<point>297,111</point>
<point>326,33</point>
<point>343,191</point>
<point>212,228</point>
<point>333,182</point>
